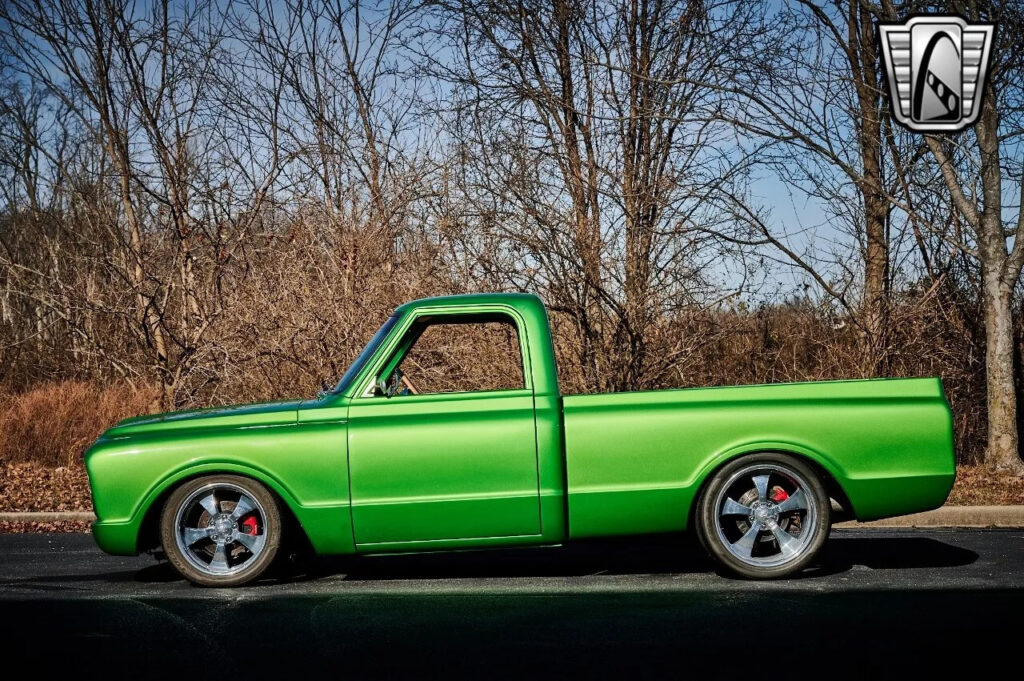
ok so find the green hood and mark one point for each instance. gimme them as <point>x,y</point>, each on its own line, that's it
<point>259,414</point>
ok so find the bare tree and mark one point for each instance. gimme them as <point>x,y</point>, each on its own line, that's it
<point>341,62</point>
<point>590,151</point>
<point>976,168</point>
<point>74,42</point>
<point>224,199</point>
<point>811,84</point>
<point>139,81</point>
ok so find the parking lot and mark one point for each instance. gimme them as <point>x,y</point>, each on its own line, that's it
<point>882,603</point>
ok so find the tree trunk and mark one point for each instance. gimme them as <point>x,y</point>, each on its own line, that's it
<point>876,256</point>
<point>1002,451</point>
<point>1000,272</point>
<point>583,194</point>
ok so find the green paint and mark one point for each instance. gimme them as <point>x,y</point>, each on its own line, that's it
<point>518,467</point>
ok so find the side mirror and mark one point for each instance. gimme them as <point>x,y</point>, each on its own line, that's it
<point>391,385</point>
<point>323,391</point>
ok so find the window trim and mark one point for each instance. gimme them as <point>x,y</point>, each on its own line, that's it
<point>392,348</point>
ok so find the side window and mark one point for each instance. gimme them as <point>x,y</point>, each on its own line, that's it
<point>452,357</point>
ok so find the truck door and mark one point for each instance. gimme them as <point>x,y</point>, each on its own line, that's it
<point>442,445</point>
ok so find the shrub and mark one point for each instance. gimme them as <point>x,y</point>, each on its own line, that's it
<point>53,423</point>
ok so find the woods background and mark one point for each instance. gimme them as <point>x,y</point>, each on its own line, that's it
<point>211,202</point>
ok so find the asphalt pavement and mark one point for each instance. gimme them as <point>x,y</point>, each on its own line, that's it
<point>881,604</point>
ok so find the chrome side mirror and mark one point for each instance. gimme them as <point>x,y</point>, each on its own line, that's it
<point>391,385</point>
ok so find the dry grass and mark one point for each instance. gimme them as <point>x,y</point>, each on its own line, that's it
<point>981,486</point>
<point>53,423</point>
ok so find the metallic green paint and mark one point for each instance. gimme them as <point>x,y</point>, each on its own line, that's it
<point>140,468</point>
<point>448,466</point>
<point>265,414</point>
<point>364,473</point>
<point>634,459</point>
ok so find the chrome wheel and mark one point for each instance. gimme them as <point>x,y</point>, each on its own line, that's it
<point>766,515</point>
<point>221,529</point>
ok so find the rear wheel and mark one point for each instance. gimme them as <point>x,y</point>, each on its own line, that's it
<point>221,530</point>
<point>764,516</point>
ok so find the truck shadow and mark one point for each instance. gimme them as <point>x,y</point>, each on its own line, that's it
<point>659,555</point>
<point>649,555</point>
<point>894,553</point>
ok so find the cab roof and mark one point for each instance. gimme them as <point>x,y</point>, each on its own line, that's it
<point>518,300</point>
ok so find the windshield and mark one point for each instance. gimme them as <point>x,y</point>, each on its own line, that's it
<point>365,355</point>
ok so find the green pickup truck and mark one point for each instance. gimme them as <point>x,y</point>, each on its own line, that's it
<point>424,446</point>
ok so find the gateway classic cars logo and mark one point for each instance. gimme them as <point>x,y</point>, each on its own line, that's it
<point>936,67</point>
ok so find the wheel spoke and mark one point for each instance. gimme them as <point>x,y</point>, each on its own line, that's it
<point>220,558</point>
<point>190,535</point>
<point>789,545</point>
<point>745,544</point>
<point>249,541</point>
<point>761,483</point>
<point>209,504</point>
<point>731,507</point>
<point>243,506</point>
<point>796,502</point>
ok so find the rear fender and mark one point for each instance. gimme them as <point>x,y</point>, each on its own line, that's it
<point>827,463</point>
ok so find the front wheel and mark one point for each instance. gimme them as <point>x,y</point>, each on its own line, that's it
<point>221,530</point>
<point>764,516</point>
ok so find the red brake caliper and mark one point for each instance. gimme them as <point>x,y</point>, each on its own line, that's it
<point>249,525</point>
<point>779,495</point>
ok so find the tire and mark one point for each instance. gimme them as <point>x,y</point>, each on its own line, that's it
<point>698,528</point>
<point>221,530</point>
<point>779,494</point>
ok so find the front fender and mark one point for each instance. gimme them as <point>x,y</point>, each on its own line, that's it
<point>304,465</point>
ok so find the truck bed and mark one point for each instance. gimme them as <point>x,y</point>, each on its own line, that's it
<point>635,461</point>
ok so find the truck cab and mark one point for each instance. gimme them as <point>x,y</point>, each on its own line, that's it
<point>439,460</point>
